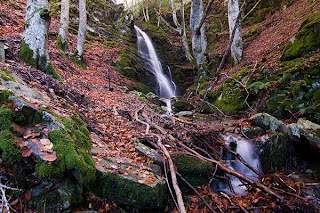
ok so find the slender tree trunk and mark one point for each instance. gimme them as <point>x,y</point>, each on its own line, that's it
<point>147,10</point>
<point>184,34</point>
<point>33,49</point>
<point>236,47</point>
<point>82,28</point>
<point>199,41</point>
<point>64,24</point>
<point>174,14</point>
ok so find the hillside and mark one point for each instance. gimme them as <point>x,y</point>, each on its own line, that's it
<point>91,141</point>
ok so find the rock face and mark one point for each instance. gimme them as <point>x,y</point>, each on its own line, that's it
<point>128,183</point>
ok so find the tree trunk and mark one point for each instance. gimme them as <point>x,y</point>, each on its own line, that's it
<point>199,41</point>
<point>236,47</point>
<point>64,23</point>
<point>174,14</point>
<point>33,49</point>
<point>82,28</point>
<point>184,34</point>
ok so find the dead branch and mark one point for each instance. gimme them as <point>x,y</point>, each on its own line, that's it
<point>165,22</point>
<point>195,191</point>
<point>234,173</point>
<point>232,203</point>
<point>245,16</point>
<point>242,161</point>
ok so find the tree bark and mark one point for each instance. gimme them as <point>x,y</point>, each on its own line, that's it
<point>184,34</point>
<point>64,24</point>
<point>199,41</point>
<point>236,47</point>
<point>174,14</point>
<point>204,17</point>
<point>33,49</point>
<point>82,28</point>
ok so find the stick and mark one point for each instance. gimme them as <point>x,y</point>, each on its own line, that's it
<point>234,173</point>
<point>232,203</point>
<point>203,18</point>
<point>195,191</point>
<point>250,10</point>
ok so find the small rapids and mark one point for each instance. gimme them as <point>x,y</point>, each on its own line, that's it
<point>247,150</point>
<point>167,88</point>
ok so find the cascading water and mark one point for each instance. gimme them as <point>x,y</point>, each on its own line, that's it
<point>167,88</point>
<point>248,152</point>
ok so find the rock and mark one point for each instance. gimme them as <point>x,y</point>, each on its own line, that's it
<point>308,125</point>
<point>184,114</point>
<point>195,171</point>
<point>265,121</point>
<point>252,132</point>
<point>128,183</point>
<point>148,152</point>
<point>52,197</point>
<point>276,151</point>
<point>123,89</point>
<point>311,132</point>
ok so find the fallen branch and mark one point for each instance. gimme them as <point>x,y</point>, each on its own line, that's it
<point>234,173</point>
<point>232,203</point>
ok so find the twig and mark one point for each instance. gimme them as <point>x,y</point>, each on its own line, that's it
<point>250,10</point>
<point>195,191</point>
<point>169,187</point>
<point>166,23</point>
<point>232,203</point>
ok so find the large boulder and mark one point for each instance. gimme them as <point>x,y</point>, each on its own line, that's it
<point>265,121</point>
<point>311,132</point>
<point>127,183</point>
<point>275,152</point>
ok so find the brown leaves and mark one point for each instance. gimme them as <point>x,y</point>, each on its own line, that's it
<point>27,153</point>
<point>50,158</point>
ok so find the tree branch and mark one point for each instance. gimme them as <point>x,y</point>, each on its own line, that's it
<point>204,16</point>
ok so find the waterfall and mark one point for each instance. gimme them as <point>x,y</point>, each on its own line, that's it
<point>151,60</point>
<point>248,152</point>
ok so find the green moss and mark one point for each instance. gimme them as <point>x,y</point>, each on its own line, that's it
<point>134,194</point>
<point>72,145</point>
<point>10,153</point>
<point>194,170</point>
<point>61,46</point>
<point>181,105</point>
<point>4,95</point>
<point>26,54</point>
<point>252,34</point>
<point>5,74</point>
<point>306,39</point>
<point>5,119</point>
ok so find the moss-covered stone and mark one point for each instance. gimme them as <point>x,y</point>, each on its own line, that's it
<point>5,74</point>
<point>72,145</point>
<point>5,118</point>
<point>194,170</point>
<point>26,54</point>
<point>181,105</point>
<point>306,39</point>
<point>137,195</point>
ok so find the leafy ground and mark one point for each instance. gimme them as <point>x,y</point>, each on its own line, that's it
<point>110,113</point>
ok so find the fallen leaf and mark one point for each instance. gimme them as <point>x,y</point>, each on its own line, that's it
<point>50,158</point>
<point>27,153</point>
<point>45,141</point>
<point>23,143</point>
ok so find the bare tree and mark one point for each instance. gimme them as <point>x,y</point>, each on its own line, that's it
<point>236,47</point>
<point>33,49</point>
<point>82,29</point>
<point>64,24</point>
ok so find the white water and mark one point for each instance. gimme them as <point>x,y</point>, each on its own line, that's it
<point>248,152</point>
<point>167,88</point>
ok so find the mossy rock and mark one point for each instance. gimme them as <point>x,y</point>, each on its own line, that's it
<point>130,187</point>
<point>59,198</point>
<point>306,39</point>
<point>276,152</point>
<point>195,171</point>
<point>181,105</point>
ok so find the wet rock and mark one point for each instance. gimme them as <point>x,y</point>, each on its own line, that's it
<point>311,132</point>
<point>52,197</point>
<point>265,121</point>
<point>275,152</point>
<point>131,184</point>
<point>184,114</point>
<point>195,171</point>
<point>148,152</point>
<point>252,132</point>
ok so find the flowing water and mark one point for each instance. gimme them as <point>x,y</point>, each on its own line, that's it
<point>167,88</point>
<point>248,152</point>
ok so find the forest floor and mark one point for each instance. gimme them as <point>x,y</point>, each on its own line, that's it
<point>111,113</point>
